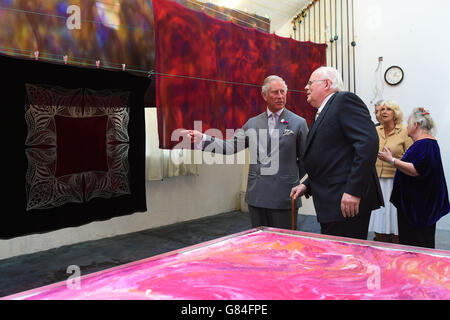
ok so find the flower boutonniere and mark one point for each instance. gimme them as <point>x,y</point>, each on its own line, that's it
<point>284,121</point>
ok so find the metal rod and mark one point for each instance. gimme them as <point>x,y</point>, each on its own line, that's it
<point>353,44</point>
<point>299,29</point>
<point>336,34</point>
<point>348,48</point>
<point>325,27</point>
<point>331,31</point>
<point>342,43</point>
<point>295,29</point>
<point>309,25</point>
<point>320,23</point>
<point>314,27</point>
<point>304,26</point>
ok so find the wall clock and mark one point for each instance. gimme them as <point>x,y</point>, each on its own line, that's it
<point>393,75</point>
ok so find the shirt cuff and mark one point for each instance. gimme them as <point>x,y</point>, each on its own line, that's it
<point>200,145</point>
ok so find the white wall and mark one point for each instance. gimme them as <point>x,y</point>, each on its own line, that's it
<point>408,33</point>
<point>215,190</point>
<point>413,35</point>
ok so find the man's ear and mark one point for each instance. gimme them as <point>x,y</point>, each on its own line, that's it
<point>263,96</point>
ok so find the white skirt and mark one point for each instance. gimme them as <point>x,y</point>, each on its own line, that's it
<point>384,219</point>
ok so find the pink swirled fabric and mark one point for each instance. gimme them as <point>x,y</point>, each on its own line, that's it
<point>270,266</point>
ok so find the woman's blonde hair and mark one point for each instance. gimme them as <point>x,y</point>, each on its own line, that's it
<point>393,105</point>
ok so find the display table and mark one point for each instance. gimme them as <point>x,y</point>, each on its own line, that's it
<point>268,264</point>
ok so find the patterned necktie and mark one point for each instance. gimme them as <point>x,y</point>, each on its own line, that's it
<point>272,122</point>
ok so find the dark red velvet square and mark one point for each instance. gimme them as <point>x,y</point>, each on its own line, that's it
<point>81,144</point>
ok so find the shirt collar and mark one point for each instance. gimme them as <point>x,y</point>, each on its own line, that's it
<point>397,126</point>
<point>397,129</point>
<point>324,102</point>
<point>278,112</point>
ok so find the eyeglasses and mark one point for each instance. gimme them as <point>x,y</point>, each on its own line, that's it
<point>311,82</point>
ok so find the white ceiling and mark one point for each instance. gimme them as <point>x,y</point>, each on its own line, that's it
<point>278,11</point>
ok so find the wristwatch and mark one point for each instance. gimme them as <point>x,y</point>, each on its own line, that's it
<point>392,161</point>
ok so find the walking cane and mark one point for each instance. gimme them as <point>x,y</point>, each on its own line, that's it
<point>293,213</point>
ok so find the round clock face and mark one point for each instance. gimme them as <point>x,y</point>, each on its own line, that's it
<point>393,75</point>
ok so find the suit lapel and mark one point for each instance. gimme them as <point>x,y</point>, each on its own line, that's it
<point>282,126</point>
<point>318,122</point>
<point>263,121</point>
<point>262,124</point>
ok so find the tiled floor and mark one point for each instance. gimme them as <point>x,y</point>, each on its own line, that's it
<point>35,270</point>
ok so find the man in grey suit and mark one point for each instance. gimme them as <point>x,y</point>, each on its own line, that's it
<point>340,155</point>
<point>276,141</point>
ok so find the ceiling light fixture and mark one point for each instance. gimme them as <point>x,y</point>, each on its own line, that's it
<point>228,3</point>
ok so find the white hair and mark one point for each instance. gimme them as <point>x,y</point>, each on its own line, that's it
<point>268,80</point>
<point>379,103</point>
<point>333,75</point>
<point>423,119</point>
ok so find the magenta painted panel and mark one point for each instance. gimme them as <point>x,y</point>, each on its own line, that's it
<point>270,264</point>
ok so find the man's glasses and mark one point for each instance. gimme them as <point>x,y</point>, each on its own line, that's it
<point>311,82</point>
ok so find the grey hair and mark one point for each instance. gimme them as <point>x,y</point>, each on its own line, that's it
<point>268,80</point>
<point>423,118</point>
<point>334,76</point>
<point>379,103</point>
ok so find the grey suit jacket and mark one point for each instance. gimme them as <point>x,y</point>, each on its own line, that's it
<point>275,161</point>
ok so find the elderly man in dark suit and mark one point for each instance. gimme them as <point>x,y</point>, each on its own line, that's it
<point>276,141</point>
<point>340,155</point>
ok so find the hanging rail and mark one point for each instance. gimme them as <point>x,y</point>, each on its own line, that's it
<point>337,21</point>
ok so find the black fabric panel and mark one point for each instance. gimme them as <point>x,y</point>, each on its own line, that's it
<point>15,220</point>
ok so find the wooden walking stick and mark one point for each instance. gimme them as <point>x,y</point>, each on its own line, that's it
<point>293,213</point>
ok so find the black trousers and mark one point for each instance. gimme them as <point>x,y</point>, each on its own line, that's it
<point>356,227</point>
<point>411,235</point>
<point>275,218</point>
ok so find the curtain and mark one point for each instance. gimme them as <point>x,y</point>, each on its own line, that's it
<point>162,163</point>
<point>212,71</point>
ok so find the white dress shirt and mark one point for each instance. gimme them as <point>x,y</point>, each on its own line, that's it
<point>324,102</point>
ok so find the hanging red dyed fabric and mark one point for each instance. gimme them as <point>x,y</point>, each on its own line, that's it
<point>211,70</point>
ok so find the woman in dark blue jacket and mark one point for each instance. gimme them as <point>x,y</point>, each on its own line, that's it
<point>420,191</point>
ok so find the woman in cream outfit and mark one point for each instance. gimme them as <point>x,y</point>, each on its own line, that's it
<point>393,135</point>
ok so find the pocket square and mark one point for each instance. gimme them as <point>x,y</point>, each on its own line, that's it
<point>287,132</point>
